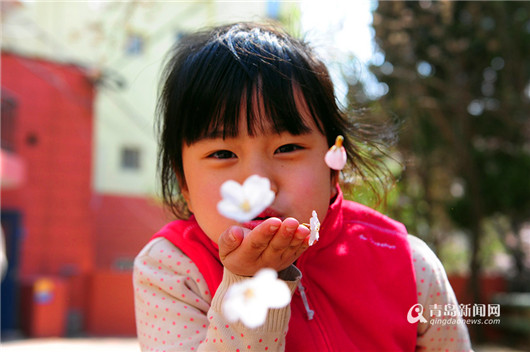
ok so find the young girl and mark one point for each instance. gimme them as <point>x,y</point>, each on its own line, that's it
<point>248,99</point>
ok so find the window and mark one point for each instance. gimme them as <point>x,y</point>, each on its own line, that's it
<point>134,46</point>
<point>273,9</point>
<point>130,158</point>
<point>9,118</point>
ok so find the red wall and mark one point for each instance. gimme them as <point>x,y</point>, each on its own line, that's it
<point>123,225</point>
<point>53,136</point>
<point>82,239</point>
<point>490,286</point>
<point>54,133</point>
<point>111,303</point>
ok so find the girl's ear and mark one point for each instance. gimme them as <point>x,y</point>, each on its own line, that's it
<point>183,188</point>
<point>186,195</point>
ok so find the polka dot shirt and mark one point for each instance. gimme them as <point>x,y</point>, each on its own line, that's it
<point>175,310</point>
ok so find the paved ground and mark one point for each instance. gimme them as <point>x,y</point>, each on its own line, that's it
<point>72,344</point>
<point>118,345</point>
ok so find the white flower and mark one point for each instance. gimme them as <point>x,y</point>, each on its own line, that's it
<point>250,300</point>
<point>243,203</point>
<point>336,155</point>
<point>315,228</point>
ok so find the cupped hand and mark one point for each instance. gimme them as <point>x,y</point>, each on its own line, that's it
<point>272,244</point>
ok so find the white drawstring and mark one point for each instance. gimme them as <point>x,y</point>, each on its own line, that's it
<point>309,311</point>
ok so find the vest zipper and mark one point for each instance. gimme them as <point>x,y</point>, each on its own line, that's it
<point>309,311</point>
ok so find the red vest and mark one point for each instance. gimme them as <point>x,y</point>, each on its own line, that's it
<point>359,280</point>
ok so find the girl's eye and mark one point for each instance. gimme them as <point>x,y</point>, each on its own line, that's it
<point>222,154</point>
<point>288,148</point>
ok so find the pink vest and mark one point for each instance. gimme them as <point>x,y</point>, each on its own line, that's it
<point>359,281</point>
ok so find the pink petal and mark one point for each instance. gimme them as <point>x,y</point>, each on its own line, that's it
<point>336,158</point>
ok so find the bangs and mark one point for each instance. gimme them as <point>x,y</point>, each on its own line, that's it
<point>243,76</point>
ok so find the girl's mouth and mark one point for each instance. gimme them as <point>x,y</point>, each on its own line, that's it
<point>264,215</point>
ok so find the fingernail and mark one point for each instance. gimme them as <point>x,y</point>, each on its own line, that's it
<point>304,228</point>
<point>231,237</point>
<point>274,227</point>
<point>301,234</point>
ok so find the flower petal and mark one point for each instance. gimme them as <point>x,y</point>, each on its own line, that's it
<point>254,316</point>
<point>266,275</point>
<point>257,190</point>
<point>233,309</point>
<point>231,210</point>
<point>273,292</point>
<point>256,183</point>
<point>250,300</point>
<point>314,224</point>
<point>278,295</point>
<point>232,191</point>
<point>336,158</point>
<point>244,202</point>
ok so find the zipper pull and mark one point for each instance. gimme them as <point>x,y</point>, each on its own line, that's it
<point>310,312</point>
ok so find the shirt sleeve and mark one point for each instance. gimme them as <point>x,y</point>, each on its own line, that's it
<point>175,310</point>
<point>441,329</point>
<point>236,336</point>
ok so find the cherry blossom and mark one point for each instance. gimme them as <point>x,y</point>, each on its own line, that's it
<point>244,202</point>
<point>250,300</point>
<point>336,155</point>
<point>314,225</point>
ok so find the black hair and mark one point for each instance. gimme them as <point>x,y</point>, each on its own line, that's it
<point>211,75</point>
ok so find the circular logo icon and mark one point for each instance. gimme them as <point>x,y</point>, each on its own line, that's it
<point>418,310</point>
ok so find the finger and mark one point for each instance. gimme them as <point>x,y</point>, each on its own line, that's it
<point>298,245</point>
<point>302,248</point>
<point>230,240</point>
<point>259,238</point>
<point>285,235</point>
<point>300,235</point>
<point>282,258</point>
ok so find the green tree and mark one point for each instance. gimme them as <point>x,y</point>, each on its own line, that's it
<point>458,78</point>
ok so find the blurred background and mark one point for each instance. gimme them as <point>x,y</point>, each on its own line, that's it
<point>78,159</point>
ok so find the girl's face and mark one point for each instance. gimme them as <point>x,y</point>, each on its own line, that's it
<point>294,164</point>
